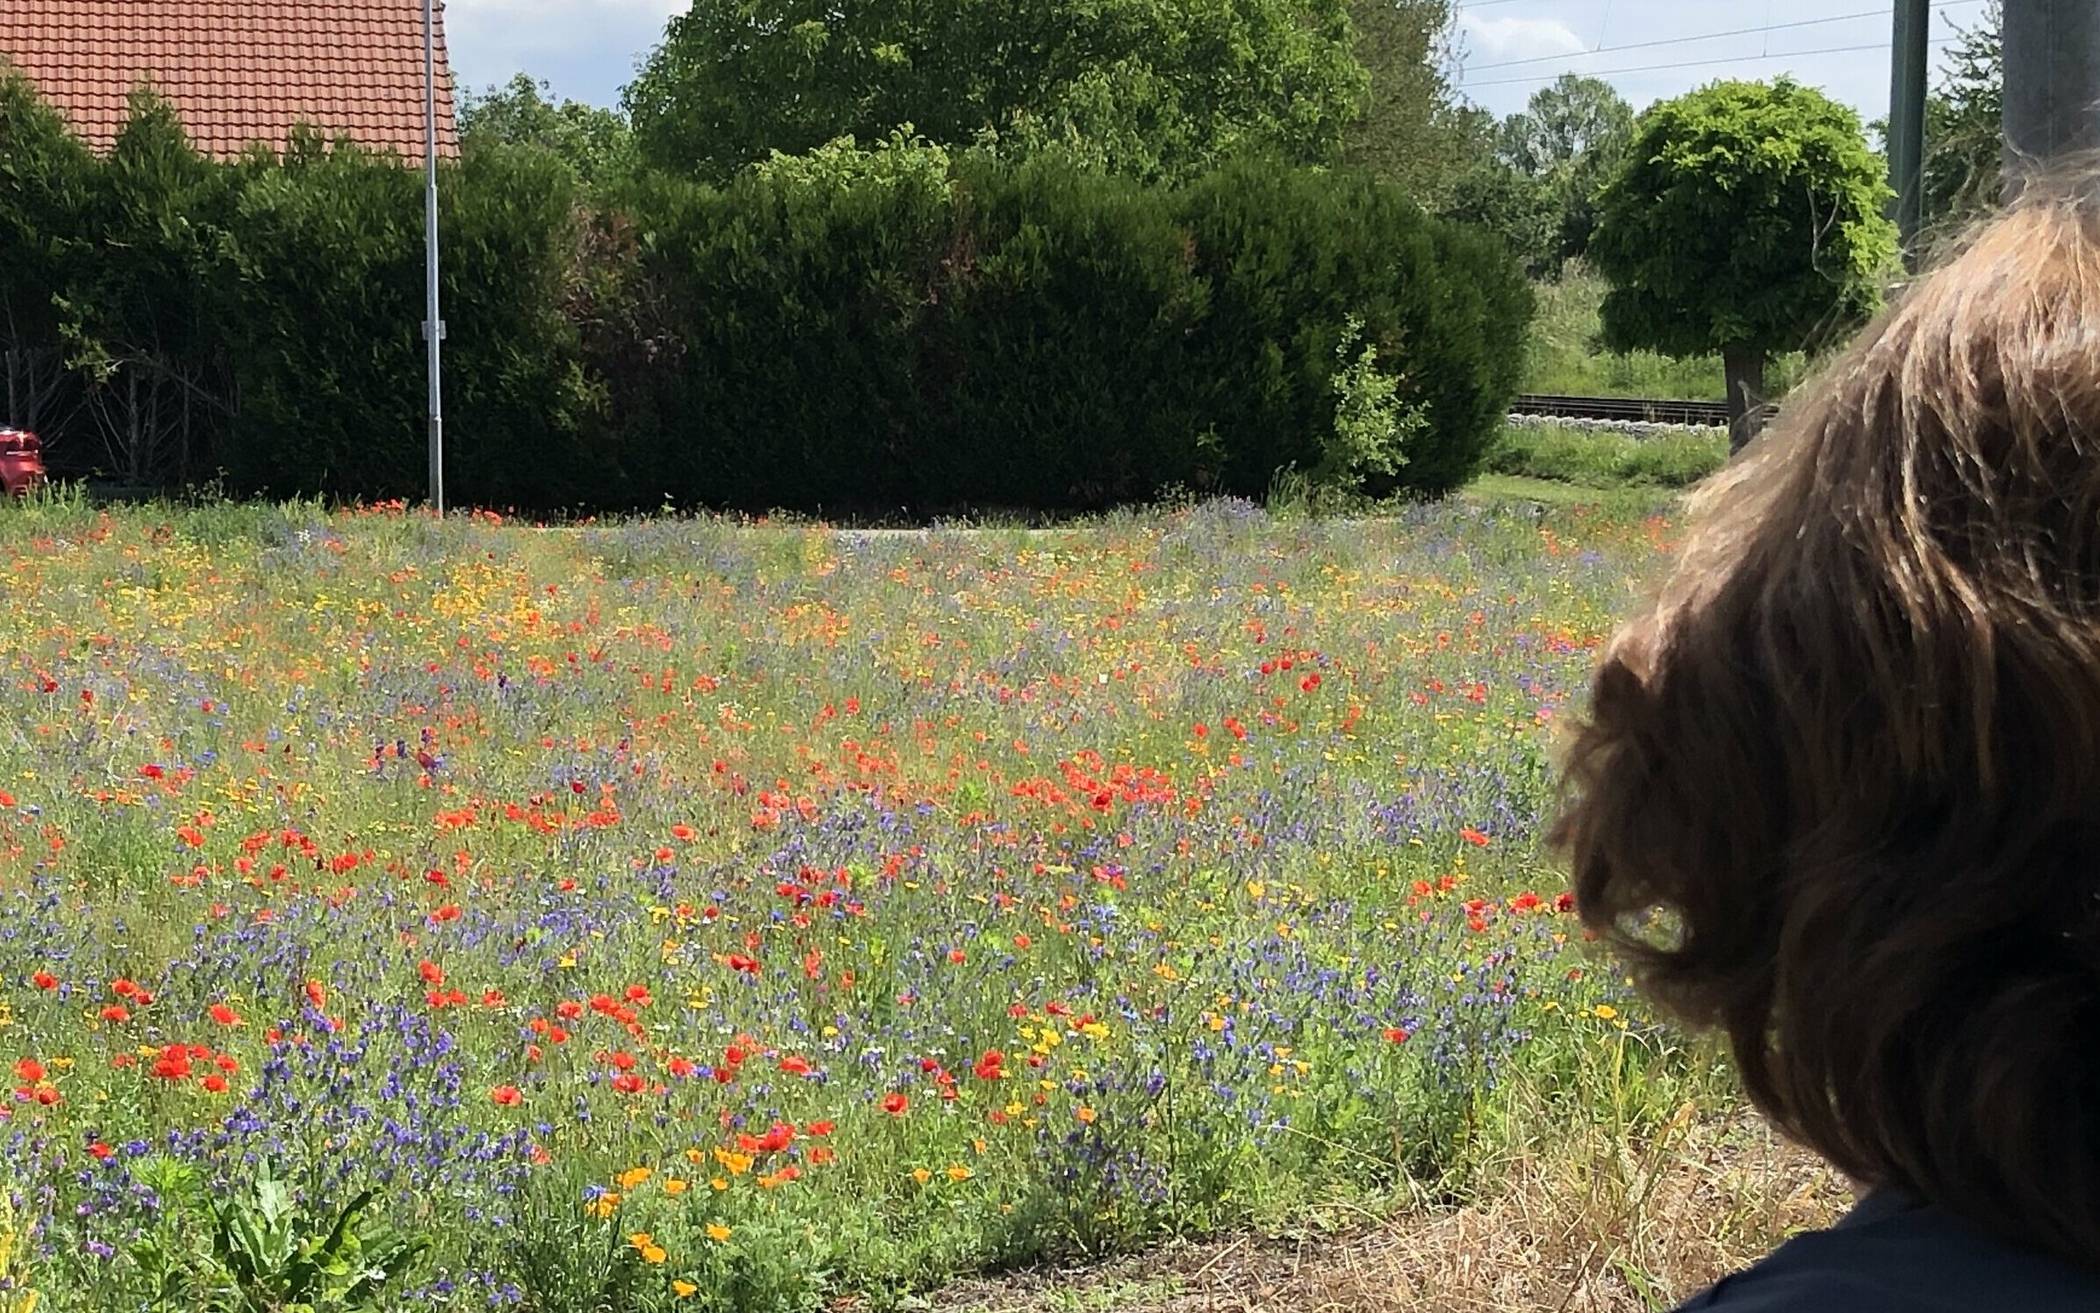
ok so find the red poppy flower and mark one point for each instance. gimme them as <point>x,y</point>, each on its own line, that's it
<point>44,980</point>
<point>29,1071</point>
<point>1395,1035</point>
<point>627,1084</point>
<point>431,972</point>
<point>215,1084</point>
<point>116,1012</point>
<point>895,1104</point>
<point>224,1015</point>
<point>316,994</point>
<point>794,1066</point>
<point>506,1096</point>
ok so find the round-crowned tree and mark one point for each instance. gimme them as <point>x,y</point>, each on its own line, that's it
<point>1747,218</point>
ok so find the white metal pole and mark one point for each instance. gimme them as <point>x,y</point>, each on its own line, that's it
<point>433,326</point>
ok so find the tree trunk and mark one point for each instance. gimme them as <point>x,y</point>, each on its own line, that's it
<point>1744,368</point>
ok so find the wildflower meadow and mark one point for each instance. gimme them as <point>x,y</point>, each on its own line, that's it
<point>700,914</point>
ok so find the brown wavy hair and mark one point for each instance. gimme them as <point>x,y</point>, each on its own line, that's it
<point>1838,791</point>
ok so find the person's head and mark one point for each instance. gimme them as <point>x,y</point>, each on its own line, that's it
<point>1839,790</point>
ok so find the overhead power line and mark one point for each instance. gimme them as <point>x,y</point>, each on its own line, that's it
<point>1855,16</point>
<point>1694,63</point>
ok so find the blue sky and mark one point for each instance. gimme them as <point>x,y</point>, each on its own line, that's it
<point>587,48</point>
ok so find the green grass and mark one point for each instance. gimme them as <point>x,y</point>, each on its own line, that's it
<point>1592,458</point>
<point>1493,489</point>
<point>1563,357</point>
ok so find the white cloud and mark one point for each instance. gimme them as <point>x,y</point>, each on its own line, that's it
<point>1499,38</point>
<point>587,46</point>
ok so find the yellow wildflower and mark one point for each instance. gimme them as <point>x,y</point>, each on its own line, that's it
<point>718,1233</point>
<point>736,1164</point>
<point>633,1177</point>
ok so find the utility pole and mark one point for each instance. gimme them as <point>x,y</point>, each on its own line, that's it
<point>433,326</point>
<point>2052,84</point>
<point>1907,121</point>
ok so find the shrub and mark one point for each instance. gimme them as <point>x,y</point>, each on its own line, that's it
<point>326,254</point>
<point>873,329</point>
<point>798,293</point>
<point>1055,371</point>
<point>43,182</point>
<point>848,330</point>
<point>1291,256</point>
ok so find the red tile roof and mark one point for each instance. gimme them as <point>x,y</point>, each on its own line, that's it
<point>236,71</point>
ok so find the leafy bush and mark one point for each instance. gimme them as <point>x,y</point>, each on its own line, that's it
<point>1056,369</point>
<point>869,329</point>
<point>43,183</point>
<point>326,256</point>
<point>1372,427</point>
<point>256,1250</point>
<point>847,330</point>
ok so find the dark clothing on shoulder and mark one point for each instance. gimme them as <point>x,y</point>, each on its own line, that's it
<point>1891,1255</point>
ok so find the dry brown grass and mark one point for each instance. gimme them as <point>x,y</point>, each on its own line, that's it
<point>1590,1224</point>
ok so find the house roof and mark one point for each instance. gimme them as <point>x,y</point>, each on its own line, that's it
<point>236,71</point>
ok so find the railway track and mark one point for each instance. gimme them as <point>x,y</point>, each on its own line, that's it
<point>1636,410</point>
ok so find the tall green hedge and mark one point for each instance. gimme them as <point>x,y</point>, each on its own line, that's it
<point>323,269</point>
<point>849,330</point>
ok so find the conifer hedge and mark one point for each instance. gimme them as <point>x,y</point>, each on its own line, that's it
<point>846,331</point>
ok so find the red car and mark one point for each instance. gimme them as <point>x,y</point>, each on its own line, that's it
<point>21,462</point>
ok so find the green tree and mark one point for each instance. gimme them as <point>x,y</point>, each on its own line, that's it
<point>1412,130</point>
<point>1147,87</point>
<point>1748,217</point>
<point>44,173</point>
<point>1514,206</point>
<point>594,143</point>
<point>139,315</point>
<point>1571,137</point>
<point>1965,125</point>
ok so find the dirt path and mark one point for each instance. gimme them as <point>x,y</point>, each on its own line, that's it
<point>1607,1233</point>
